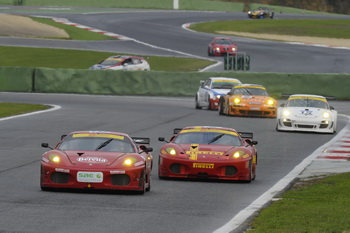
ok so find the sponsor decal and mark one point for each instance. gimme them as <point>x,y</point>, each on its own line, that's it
<point>200,129</point>
<point>91,160</point>
<point>306,112</point>
<point>62,170</point>
<point>90,177</point>
<point>139,163</point>
<point>45,160</point>
<point>97,135</point>
<point>203,165</point>
<point>117,172</point>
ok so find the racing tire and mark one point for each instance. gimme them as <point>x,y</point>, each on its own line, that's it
<point>209,106</point>
<point>221,107</point>
<point>197,105</point>
<point>209,53</point>
<point>149,184</point>
<point>143,183</point>
<point>250,173</point>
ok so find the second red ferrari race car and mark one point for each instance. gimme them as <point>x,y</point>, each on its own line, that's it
<point>208,152</point>
<point>97,160</point>
<point>220,46</point>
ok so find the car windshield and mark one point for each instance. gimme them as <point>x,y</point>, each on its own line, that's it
<point>223,85</point>
<point>307,103</point>
<point>97,144</point>
<point>110,62</point>
<point>223,42</point>
<point>208,138</point>
<point>250,91</point>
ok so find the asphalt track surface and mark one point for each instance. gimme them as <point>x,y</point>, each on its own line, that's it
<point>170,206</point>
<point>163,30</point>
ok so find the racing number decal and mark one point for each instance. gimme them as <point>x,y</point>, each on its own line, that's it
<point>193,153</point>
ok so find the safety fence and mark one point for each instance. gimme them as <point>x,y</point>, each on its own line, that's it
<point>152,83</point>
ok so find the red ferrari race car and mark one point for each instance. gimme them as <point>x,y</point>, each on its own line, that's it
<point>208,152</point>
<point>220,46</point>
<point>97,160</point>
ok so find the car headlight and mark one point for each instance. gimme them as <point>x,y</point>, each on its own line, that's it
<point>54,158</point>
<point>233,49</point>
<point>238,154</point>
<point>286,113</point>
<point>217,49</point>
<point>170,151</point>
<point>129,161</point>
<point>326,115</point>
<point>270,102</point>
<point>217,96</point>
<point>237,100</point>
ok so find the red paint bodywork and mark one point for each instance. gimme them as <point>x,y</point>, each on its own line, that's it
<point>220,46</point>
<point>109,164</point>
<point>211,162</point>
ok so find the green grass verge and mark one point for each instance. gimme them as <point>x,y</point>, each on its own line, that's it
<point>74,32</point>
<point>204,5</point>
<point>331,28</point>
<point>320,207</point>
<point>83,59</point>
<point>10,109</point>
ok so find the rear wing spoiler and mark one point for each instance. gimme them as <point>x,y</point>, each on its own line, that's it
<point>177,130</point>
<point>327,97</point>
<point>246,135</point>
<point>139,140</point>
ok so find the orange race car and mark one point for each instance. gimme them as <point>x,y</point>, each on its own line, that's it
<point>248,100</point>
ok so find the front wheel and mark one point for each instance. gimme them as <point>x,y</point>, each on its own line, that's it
<point>197,104</point>
<point>221,107</point>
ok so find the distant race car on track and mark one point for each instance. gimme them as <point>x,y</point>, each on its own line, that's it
<point>208,152</point>
<point>248,100</point>
<point>261,13</point>
<point>310,113</point>
<point>122,62</point>
<point>220,46</point>
<point>97,160</point>
<point>210,91</point>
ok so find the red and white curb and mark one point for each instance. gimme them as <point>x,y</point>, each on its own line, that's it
<point>339,150</point>
<point>67,22</point>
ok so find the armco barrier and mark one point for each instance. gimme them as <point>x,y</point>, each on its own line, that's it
<point>153,83</point>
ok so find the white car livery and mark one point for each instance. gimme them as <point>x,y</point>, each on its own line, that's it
<point>210,91</point>
<point>122,62</point>
<point>310,113</point>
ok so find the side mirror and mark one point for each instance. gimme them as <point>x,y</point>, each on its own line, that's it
<point>161,139</point>
<point>331,107</point>
<point>46,145</point>
<point>63,136</point>
<point>146,149</point>
<point>282,105</point>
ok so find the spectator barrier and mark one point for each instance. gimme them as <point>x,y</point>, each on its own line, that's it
<point>152,83</point>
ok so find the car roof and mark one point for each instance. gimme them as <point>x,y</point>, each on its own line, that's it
<point>225,78</point>
<point>92,133</point>
<point>204,128</point>
<point>222,38</point>
<point>308,96</point>
<point>125,57</point>
<point>250,85</point>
